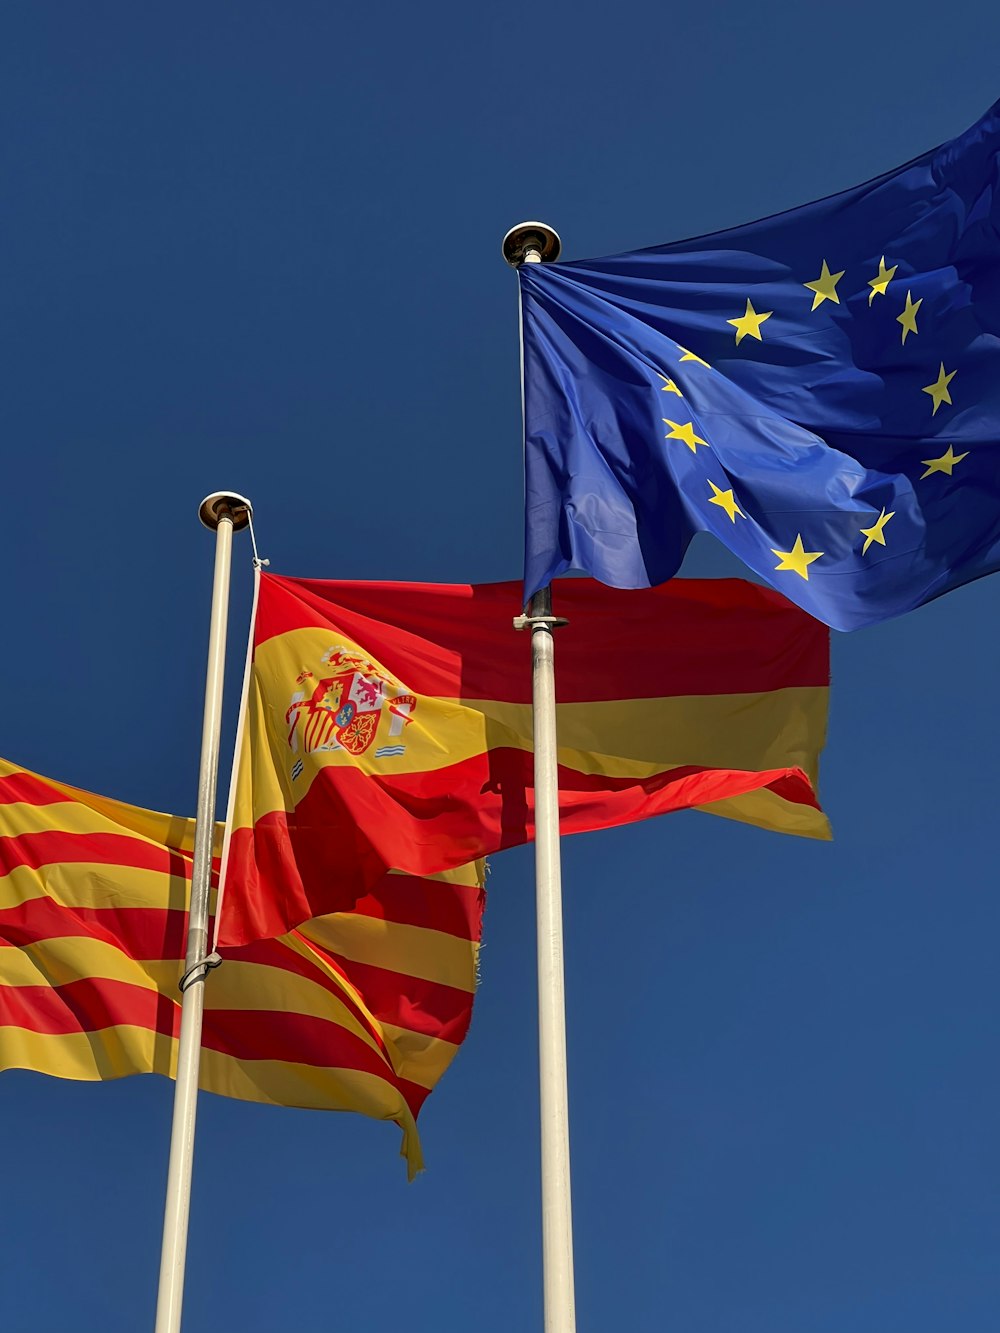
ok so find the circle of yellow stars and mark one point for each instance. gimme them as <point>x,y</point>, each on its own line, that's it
<point>749,325</point>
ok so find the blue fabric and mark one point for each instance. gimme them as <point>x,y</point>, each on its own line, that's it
<point>818,428</point>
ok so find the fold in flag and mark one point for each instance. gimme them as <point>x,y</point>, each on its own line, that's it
<point>357,1011</point>
<point>820,390</point>
<point>390,724</point>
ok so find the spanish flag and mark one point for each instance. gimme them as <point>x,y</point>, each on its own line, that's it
<point>389,724</point>
<point>357,1011</point>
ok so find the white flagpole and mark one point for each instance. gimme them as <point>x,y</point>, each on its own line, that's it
<point>224,512</point>
<point>534,243</point>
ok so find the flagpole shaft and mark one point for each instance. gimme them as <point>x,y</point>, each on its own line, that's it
<point>557,1214</point>
<point>538,243</point>
<point>178,1199</point>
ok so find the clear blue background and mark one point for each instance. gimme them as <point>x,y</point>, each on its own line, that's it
<point>257,246</point>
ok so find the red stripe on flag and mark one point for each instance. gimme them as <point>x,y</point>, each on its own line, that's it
<point>139,932</point>
<point>25,787</point>
<point>428,1007</point>
<point>686,637</point>
<point>54,847</point>
<point>454,909</point>
<point>89,1004</point>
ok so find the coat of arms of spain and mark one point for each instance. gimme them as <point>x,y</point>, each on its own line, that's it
<point>342,708</point>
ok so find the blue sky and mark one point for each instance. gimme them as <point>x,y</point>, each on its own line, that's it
<point>257,247</point>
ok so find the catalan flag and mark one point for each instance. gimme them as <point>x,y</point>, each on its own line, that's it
<point>389,724</point>
<point>361,1010</point>
<point>820,390</point>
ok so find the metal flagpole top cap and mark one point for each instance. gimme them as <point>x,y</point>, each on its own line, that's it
<point>538,236</point>
<point>214,506</point>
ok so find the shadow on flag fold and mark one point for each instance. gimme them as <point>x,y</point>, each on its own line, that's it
<point>389,724</point>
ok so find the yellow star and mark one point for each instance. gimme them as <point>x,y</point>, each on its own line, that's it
<point>881,280</point>
<point>797,559</point>
<point>908,318</point>
<point>749,323</point>
<point>825,286</point>
<point>669,386</point>
<point>946,463</point>
<point>725,500</point>
<point>939,389</point>
<point>876,533</point>
<point>690,356</point>
<point>685,433</point>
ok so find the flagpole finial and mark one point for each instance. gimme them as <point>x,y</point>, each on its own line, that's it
<point>531,243</point>
<point>219,504</point>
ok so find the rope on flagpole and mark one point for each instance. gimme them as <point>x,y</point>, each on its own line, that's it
<point>257,562</point>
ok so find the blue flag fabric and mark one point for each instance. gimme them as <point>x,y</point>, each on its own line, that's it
<point>820,390</point>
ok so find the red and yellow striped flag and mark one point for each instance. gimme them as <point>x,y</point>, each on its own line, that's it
<point>390,724</point>
<point>362,1010</point>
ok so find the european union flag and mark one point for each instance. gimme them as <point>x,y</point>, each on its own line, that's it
<point>820,390</point>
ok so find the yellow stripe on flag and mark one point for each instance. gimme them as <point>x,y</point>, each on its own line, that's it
<point>412,950</point>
